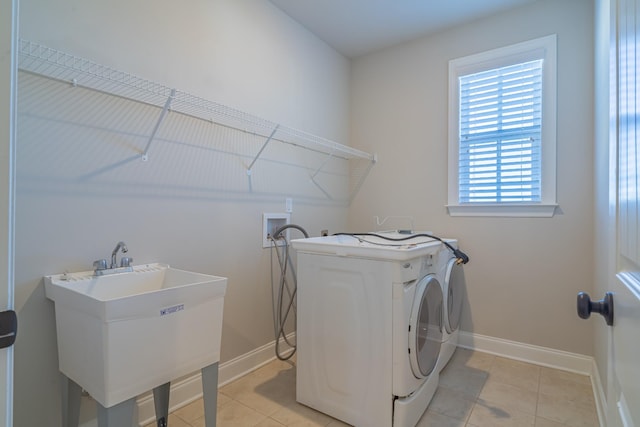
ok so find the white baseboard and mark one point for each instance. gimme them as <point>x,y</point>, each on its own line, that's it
<point>599,394</point>
<point>558,359</point>
<point>543,356</point>
<point>189,389</point>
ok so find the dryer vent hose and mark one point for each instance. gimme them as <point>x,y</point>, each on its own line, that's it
<point>284,305</point>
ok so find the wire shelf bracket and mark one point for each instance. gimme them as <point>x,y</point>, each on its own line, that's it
<point>167,104</point>
<point>317,171</point>
<point>262,149</point>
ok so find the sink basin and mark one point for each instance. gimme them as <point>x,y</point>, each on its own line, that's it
<point>124,334</point>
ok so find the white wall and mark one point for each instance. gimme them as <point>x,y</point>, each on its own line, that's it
<point>604,192</point>
<point>82,187</point>
<point>524,273</point>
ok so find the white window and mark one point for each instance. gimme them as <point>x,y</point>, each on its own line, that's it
<point>502,131</point>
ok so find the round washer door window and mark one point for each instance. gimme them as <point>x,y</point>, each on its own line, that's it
<point>425,327</point>
<point>454,280</point>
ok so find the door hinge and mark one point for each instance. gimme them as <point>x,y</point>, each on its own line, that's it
<point>8,328</point>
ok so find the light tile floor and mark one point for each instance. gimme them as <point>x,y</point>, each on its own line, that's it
<point>475,390</point>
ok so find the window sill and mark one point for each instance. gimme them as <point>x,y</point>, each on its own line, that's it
<point>504,210</point>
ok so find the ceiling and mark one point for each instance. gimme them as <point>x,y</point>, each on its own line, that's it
<point>357,27</point>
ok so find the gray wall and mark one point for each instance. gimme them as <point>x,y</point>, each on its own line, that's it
<point>524,272</point>
<point>82,186</point>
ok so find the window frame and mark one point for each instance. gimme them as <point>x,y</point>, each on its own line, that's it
<point>541,48</point>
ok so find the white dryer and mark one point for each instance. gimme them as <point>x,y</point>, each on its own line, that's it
<point>369,328</point>
<point>451,276</point>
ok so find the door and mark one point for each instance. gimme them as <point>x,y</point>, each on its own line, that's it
<point>8,31</point>
<point>454,285</point>
<point>425,327</point>
<point>623,388</point>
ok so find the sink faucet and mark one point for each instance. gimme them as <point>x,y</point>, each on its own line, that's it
<point>101,267</point>
<point>120,245</point>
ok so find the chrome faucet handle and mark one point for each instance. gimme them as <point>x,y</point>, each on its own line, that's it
<point>126,261</point>
<point>100,264</point>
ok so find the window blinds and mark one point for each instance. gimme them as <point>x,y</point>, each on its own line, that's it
<point>500,135</point>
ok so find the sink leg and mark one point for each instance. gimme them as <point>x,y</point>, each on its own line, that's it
<point>161,402</point>
<point>121,415</point>
<point>210,393</point>
<point>71,393</point>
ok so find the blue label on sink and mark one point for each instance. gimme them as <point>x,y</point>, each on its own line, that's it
<point>171,310</point>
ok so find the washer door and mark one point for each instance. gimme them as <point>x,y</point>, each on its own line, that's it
<point>425,327</point>
<point>454,284</point>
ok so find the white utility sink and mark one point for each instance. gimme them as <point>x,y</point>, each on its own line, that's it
<point>124,334</point>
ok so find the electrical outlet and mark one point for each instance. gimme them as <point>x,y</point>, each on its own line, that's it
<point>270,224</point>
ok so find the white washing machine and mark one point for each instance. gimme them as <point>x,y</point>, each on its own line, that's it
<point>369,328</point>
<point>451,277</point>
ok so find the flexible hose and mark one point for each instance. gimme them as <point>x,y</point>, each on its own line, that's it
<point>461,257</point>
<point>280,316</point>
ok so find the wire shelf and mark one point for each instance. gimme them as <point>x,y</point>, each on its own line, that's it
<point>51,63</point>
